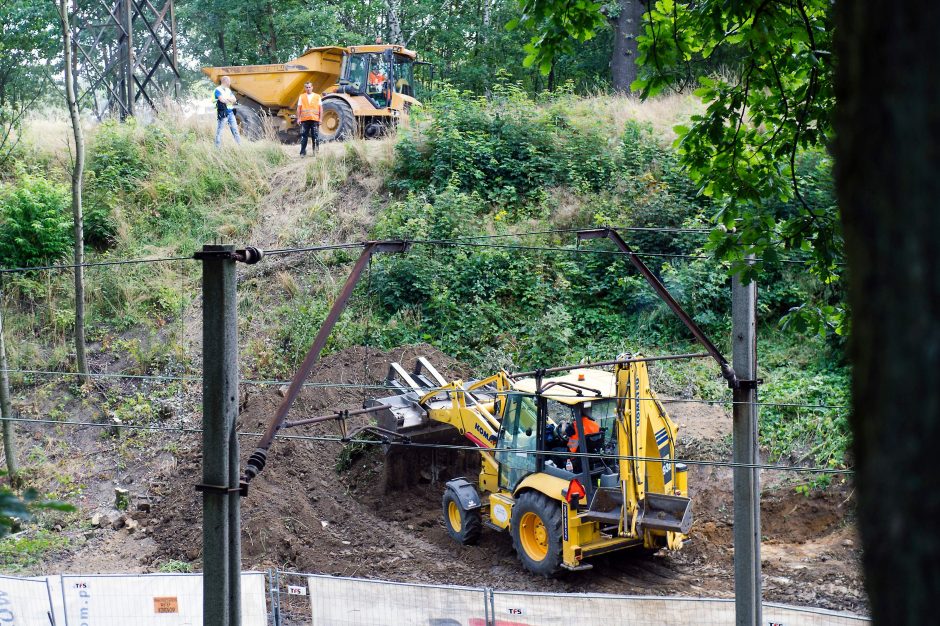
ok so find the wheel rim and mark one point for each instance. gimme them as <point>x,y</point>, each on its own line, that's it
<point>453,516</point>
<point>330,121</point>
<point>534,536</point>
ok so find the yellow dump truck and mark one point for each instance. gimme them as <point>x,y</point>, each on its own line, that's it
<point>367,90</point>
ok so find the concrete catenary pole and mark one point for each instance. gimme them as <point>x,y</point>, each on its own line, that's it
<point>747,569</point>
<point>221,528</point>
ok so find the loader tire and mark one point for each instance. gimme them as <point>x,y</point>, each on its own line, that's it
<point>338,122</point>
<point>536,533</point>
<point>462,525</point>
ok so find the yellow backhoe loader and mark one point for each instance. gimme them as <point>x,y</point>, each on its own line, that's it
<point>562,502</point>
<point>367,90</point>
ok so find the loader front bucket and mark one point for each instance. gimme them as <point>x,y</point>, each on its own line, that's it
<point>664,512</point>
<point>402,414</point>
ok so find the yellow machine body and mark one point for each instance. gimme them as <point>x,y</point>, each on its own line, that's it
<point>631,491</point>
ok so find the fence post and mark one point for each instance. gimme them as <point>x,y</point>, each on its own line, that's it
<point>747,568</point>
<point>220,546</point>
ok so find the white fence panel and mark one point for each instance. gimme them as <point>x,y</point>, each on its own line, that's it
<point>338,601</point>
<point>800,616</point>
<point>531,609</point>
<point>25,602</point>
<point>152,600</point>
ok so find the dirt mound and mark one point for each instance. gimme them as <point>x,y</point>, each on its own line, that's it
<point>299,513</point>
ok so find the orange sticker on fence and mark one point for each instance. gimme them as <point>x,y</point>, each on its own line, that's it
<point>166,605</point>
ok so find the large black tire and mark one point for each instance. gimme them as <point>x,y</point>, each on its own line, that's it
<point>536,533</point>
<point>462,525</point>
<point>338,122</point>
<point>250,125</point>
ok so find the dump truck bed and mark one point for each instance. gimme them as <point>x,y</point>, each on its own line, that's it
<point>278,85</point>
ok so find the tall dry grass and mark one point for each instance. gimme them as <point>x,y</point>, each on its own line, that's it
<point>662,112</point>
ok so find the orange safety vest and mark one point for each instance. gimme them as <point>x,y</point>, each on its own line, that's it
<point>590,428</point>
<point>309,105</point>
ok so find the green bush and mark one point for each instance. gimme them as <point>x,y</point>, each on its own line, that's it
<point>506,150</point>
<point>35,222</point>
<point>117,160</point>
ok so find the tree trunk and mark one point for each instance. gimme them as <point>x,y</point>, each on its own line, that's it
<point>6,411</point>
<point>77,173</point>
<point>887,159</point>
<point>626,25</point>
<point>393,10</point>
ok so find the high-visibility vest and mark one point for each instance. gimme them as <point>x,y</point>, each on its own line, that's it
<point>590,428</point>
<point>309,105</point>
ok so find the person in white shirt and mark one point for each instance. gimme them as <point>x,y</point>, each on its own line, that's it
<point>225,111</point>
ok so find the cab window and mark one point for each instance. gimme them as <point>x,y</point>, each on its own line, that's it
<point>357,68</point>
<point>518,436</point>
<point>404,75</point>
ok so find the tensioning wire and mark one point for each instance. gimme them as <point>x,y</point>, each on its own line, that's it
<point>332,385</point>
<point>443,446</point>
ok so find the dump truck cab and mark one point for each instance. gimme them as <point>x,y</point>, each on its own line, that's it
<point>375,89</point>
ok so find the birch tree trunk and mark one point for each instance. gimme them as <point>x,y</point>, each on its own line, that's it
<point>6,411</point>
<point>77,173</point>
<point>393,9</point>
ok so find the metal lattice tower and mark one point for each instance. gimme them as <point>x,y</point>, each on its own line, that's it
<point>125,54</point>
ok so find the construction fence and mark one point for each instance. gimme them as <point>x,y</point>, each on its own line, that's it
<point>278,598</point>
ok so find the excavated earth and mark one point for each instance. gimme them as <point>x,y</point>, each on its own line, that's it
<point>381,516</point>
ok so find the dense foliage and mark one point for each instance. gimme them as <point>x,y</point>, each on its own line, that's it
<point>35,222</point>
<point>772,102</point>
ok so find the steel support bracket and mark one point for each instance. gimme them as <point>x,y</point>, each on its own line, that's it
<point>241,490</point>
<point>747,384</point>
<point>248,255</point>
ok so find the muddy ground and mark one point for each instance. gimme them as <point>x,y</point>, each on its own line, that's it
<point>381,518</point>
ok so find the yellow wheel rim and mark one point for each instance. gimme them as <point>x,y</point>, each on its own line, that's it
<point>330,121</point>
<point>534,536</point>
<point>453,516</point>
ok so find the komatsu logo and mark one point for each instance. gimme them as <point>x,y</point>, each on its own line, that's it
<point>636,391</point>
<point>486,436</point>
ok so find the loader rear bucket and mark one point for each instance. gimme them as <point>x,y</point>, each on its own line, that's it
<point>663,512</point>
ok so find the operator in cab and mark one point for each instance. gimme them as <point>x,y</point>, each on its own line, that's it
<point>308,116</point>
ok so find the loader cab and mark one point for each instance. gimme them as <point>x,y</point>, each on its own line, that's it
<point>550,405</point>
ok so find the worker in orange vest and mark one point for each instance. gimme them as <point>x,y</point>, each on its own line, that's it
<point>308,114</point>
<point>590,428</point>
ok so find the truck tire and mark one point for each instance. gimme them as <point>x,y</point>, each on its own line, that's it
<point>338,123</point>
<point>248,117</point>
<point>462,525</point>
<point>536,533</point>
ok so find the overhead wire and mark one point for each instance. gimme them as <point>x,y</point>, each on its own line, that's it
<point>64,266</point>
<point>441,446</point>
<point>378,386</point>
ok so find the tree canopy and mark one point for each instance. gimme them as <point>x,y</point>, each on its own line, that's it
<point>768,102</point>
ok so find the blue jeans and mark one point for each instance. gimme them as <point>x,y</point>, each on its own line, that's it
<point>230,116</point>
